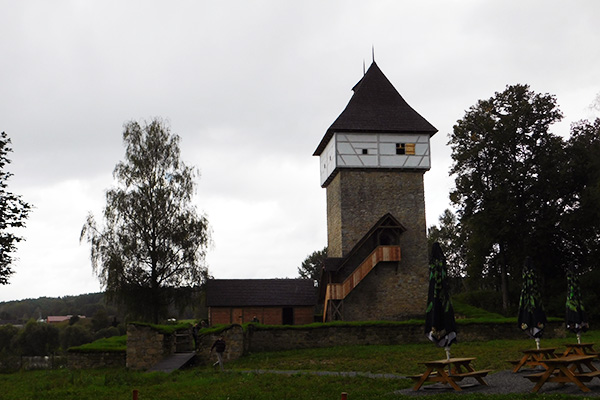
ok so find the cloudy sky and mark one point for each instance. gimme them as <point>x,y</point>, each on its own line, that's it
<point>251,87</point>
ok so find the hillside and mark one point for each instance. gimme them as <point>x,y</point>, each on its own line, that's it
<point>21,311</point>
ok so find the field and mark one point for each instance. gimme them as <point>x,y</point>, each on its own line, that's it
<point>239,383</point>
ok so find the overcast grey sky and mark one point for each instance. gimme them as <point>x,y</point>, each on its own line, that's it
<point>251,87</point>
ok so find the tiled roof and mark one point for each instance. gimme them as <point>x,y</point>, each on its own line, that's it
<point>376,107</point>
<point>260,292</point>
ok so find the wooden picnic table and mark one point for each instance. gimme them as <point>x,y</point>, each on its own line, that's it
<point>534,357</point>
<point>438,371</point>
<point>570,369</point>
<point>582,349</point>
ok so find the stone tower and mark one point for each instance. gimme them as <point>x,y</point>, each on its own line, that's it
<point>372,161</point>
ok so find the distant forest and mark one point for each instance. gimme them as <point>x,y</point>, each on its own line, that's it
<point>21,311</point>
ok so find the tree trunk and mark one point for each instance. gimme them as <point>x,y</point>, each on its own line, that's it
<point>503,281</point>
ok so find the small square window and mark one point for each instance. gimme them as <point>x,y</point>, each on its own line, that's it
<point>400,148</point>
<point>365,151</point>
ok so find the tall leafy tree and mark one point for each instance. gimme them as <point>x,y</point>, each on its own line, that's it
<point>13,213</point>
<point>502,150</point>
<point>582,217</point>
<point>153,241</point>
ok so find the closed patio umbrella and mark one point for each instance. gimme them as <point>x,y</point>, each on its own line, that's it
<point>576,318</point>
<point>440,326</point>
<point>532,318</point>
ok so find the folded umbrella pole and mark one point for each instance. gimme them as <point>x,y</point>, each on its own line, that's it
<point>440,326</point>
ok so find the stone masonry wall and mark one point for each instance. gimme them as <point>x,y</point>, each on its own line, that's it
<point>391,292</point>
<point>289,339</point>
<point>146,346</point>
<point>96,360</point>
<point>234,339</point>
<point>356,200</point>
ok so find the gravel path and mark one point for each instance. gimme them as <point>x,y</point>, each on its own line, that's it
<point>503,382</point>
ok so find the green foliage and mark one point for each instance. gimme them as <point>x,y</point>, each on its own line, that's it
<point>508,169</point>
<point>472,312</point>
<point>581,221</point>
<point>13,213</point>
<point>105,345</point>
<point>75,335</point>
<point>449,235</point>
<point>153,240</point>
<point>85,304</point>
<point>8,337</point>
<point>38,339</point>
<point>166,328</point>
<point>312,265</point>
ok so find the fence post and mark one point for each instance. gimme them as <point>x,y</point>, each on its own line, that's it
<point>344,396</point>
<point>135,394</point>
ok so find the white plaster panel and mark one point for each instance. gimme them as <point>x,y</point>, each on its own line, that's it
<point>392,161</point>
<point>354,137</point>
<point>398,138</point>
<point>328,160</point>
<point>345,148</point>
<point>387,148</point>
<point>349,160</point>
<point>421,149</point>
<point>364,145</point>
<point>413,161</point>
<point>369,161</point>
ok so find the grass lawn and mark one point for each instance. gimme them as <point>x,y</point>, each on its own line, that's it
<point>204,383</point>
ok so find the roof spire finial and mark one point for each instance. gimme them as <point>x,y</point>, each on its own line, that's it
<point>373,51</point>
<point>364,70</point>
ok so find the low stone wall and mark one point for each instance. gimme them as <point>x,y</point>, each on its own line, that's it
<point>88,360</point>
<point>147,346</point>
<point>259,340</point>
<point>235,339</point>
<point>256,339</point>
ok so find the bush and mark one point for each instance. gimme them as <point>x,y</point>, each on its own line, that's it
<point>75,335</point>
<point>38,339</point>
<point>107,332</point>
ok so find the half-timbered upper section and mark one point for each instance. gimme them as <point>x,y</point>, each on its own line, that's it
<point>377,129</point>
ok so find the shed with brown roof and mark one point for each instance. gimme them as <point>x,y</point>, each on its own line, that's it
<point>270,301</point>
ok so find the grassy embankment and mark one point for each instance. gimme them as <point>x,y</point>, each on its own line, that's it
<point>204,383</point>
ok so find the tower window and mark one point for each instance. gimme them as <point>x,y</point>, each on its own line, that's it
<point>405,148</point>
<point>365,151</point>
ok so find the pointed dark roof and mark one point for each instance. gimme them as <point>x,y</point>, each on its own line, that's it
<point>376,107</point>
<point>260,292</point>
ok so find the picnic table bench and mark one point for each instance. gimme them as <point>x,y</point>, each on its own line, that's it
<point>583,349</point>
<point>460,368</point>
<point>569,369</point>
<point>533,357</point>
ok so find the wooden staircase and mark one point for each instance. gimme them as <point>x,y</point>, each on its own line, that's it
<point>337,292</point>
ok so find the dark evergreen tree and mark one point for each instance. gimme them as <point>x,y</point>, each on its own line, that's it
<point>449,235</point>
<point>312,265</point>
